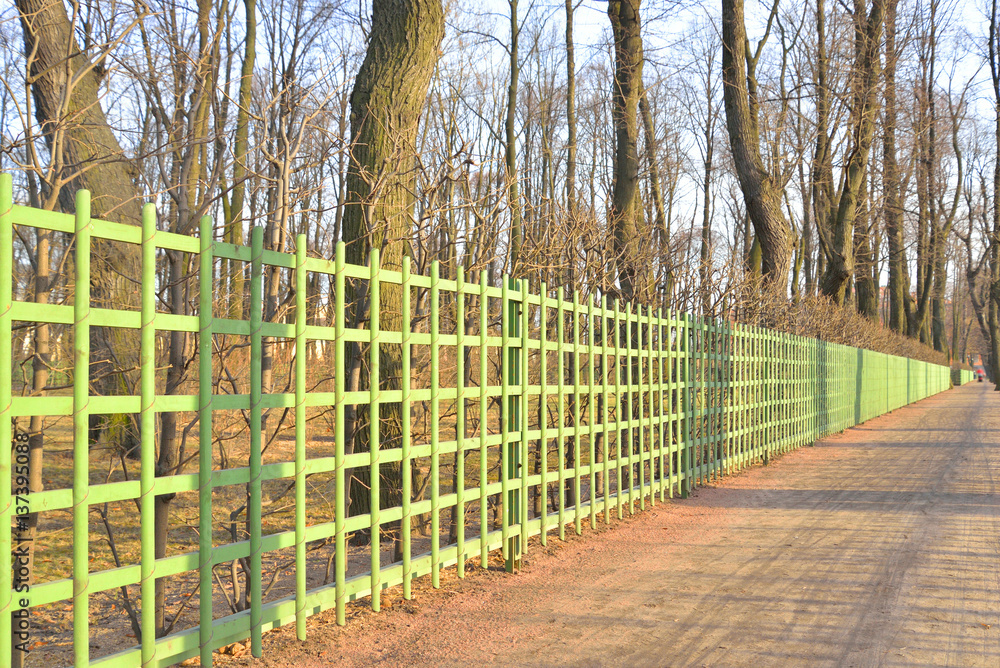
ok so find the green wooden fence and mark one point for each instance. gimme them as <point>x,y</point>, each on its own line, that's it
<point>575,412</point>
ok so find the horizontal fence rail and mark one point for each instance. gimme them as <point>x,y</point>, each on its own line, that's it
<point>503,413</point>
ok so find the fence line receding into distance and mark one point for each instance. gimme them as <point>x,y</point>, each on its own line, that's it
<point>515,415</point>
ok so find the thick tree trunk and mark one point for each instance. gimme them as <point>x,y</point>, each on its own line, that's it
<point>626,89</point>
<point>234,224</point>
<point>510,146</point>
<point>868,36</point>
<point>570,115</point>
<point>388,96</point>
<point>822,166</point>
<point>86,155</point>
<point>865,269</point>
<point>994,246</point>
<point>898,274</point>
<point>763,200</point>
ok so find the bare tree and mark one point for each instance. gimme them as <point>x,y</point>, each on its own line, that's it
<point>762,197</point>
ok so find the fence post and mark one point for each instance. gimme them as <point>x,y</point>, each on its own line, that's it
<point>205,324</point>
<point>254,504</point>
<point>147,436</point>
<point>484,311</point>
<point>435,315</point>
<point>510,323</point>
<point>406,462</point>
<point>591,411</point>
<point>577,400</point>
<point>561,412</point>
<point>543,419</point>
<point>617,331</point>
<point>300,432</point>
<point>460,429</point>
<point>81,450</point>
<point>605,410</point>
<point>628,411</point>
<point>341,481</point>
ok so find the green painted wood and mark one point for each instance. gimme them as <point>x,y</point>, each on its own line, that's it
<point>435,382</point>
<point>406,455</point>
<point>460,429</point>
<point>301,283</point>
<point>483,422</point>
<point>254,503</point>
<point>374,432</point>
<point>340,504</point>
<point>147,441</point>
<point>81,445</point>
<point>205,398</point>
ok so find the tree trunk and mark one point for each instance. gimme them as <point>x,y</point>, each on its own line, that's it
<point>898,274</point>
<point>763,200</point>
<point>840,256</point>
<point>626,89</point>
<point>388,96</point>
<point>510,146</point>
<point>865,270</point>
<point>570,116</point>
<point>86,155</point>
<point>234,226</point>
<point>994,246</point>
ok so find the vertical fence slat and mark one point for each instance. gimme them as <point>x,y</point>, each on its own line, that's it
<point>374,426</point>
<point>577,460</point>
<point>543,413</point>
<point>591,413</point>
<point>460,419</point>
<point>618,408</point>
<point>627,412</point>
<point>205,325</point>
<point>561,412</point>
<point>484,528</point>
<point>435,420</point>
<point>637,417</point>
<point>254,504</point>
<point>147,436</point>
<point>663,442</point>
<point>340,505</point>
<point>655,431</point>
<point>605,369</point>
<point>505,427</point>
<point>300,435</point>
<point>81,415</point>
<point>406,463</point>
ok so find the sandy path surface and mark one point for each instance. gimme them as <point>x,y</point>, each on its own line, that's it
<point>878,546</point>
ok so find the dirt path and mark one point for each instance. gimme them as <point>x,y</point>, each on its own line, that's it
<point>879,546</point>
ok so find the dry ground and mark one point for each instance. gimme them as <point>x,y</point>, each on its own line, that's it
<point>879,546</point>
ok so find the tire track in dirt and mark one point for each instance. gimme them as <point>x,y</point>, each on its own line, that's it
<point>879,546</point>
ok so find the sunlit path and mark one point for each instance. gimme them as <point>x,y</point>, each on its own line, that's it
<point>878,546</point>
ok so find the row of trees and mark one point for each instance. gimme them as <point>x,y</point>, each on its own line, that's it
<point>854,133</point>
<point>807,148</point>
